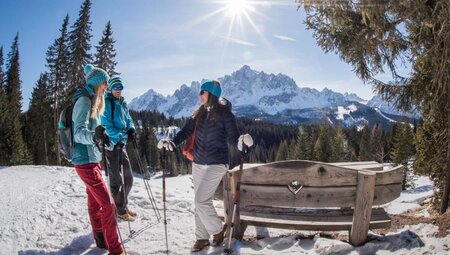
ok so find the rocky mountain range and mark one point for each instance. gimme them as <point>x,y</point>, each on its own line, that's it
<point>276,98</point>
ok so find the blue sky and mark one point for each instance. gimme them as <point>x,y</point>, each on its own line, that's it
<point>161,45</point>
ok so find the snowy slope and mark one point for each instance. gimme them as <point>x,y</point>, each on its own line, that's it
<point>44,212</point>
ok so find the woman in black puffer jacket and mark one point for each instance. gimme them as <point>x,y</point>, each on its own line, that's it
<point>215,127</point>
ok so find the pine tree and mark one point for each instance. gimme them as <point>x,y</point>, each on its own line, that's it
<point>58,55</point>
<point>105,56</point>
<point>152,150</point>
<point>401,147</point>
<point>377,141</point>
<point>282,152</point>
<point>323,144</point>
<point>39,116</point>
<point>401,144</point>
<point>79,45</point>
<point>399,154</point>
<point>353,143</point>
<point>15,147</point>
<point>375,37</point>
<point>3,113</point>
<point>339,150</point>
<point>304,147</point>
<point>409,136</point>
<point>365,150</point>
<point>291,150</point>
<point>256,154</point>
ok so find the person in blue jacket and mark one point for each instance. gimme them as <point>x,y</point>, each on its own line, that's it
<point>120,128</point>
<point>88,137</point>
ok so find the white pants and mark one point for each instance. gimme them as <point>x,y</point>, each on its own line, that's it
<point>206,180</point>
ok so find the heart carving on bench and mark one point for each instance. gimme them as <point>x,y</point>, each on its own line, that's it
<point>294,187</point>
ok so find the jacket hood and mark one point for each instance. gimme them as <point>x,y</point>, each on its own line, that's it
<point>225,103</point>
<point>83,91</point>
<point>112,97</point>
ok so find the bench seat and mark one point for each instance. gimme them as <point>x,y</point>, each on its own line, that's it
<point>329,219</point>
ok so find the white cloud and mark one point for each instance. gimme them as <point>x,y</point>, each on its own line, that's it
<point>237,41</point>
<point>284,38</point>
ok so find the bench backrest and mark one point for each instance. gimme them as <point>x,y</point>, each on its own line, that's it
<point>299,183</point>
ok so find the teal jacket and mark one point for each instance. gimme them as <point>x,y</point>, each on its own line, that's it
<point>117,127</point>
<point>85,151</point>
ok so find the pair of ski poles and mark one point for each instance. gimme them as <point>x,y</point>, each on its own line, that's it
<point>111,199</point>
<point>146,184</point>
<point>149,192</point>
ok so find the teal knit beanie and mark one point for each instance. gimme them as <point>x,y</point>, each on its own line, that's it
<point>115,81</point>
<point>213,87</point>
<point>95,75</point>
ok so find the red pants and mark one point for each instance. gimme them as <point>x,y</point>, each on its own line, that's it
<point>99,206</point>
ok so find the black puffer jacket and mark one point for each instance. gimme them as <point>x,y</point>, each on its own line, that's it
<point>212,135</point>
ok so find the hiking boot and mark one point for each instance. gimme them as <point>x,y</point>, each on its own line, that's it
<point>199,245</point>
<point>126,217</point>
<point>131,213</point>
<point>218,238</point>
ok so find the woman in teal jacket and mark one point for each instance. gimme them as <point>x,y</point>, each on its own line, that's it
<point>88,135</point>
<point>120,128</point>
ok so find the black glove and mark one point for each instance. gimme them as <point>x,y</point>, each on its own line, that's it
<point>131,134</point>
<point>101,137</point>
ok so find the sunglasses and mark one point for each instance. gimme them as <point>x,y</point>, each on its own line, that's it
<point>120,87</point>
<point>202,92</point>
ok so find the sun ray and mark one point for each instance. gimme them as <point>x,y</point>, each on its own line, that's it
<point>258,31</point>
<point>237,16</point>
<point>224,50</point>
<point>210,15</point>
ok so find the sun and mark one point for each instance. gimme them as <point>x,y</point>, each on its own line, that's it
<point>235,8</point>
<point>237,21</point>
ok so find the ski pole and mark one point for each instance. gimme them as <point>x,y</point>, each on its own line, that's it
<point>228,250</point>
<point>164,196</point>
<point>111,199</point>
<point>146,184</point>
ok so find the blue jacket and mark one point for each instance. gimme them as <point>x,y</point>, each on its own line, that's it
<point>117,127</point>
<point>85,151</point>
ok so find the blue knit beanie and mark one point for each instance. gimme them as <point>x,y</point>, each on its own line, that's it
<point>95,75</point>
<point>115,81</point>
<point>213,87</point>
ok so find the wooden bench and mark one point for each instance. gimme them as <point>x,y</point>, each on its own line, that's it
<point>307,195</point>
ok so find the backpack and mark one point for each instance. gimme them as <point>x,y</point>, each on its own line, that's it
<point>65,131</point>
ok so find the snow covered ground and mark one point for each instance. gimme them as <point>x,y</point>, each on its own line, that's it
<point>43,211</point>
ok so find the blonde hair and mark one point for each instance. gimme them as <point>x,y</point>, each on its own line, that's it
<point>97,103</point>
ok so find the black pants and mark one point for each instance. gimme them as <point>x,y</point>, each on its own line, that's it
<point>116,170</point>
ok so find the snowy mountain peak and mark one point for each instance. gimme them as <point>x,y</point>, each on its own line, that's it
<point>353,97</point>
<point>254,94</point>
<point>378,103</point>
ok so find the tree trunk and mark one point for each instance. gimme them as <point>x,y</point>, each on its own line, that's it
<point>446,192</point>
<point>45,144</point>
<point>58,155</point>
